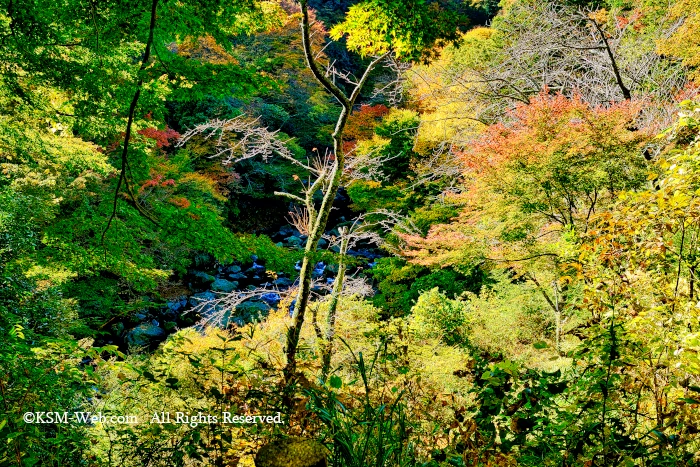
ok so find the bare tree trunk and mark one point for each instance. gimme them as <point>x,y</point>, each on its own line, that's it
<point>333,309</point>
<point>616,70</point>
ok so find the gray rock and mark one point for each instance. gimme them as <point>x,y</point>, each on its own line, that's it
<point>198,298</point>
<point>252,310</point>
<point>288,231</point>
<point>145,334</point>
<point>318,269</point>
<point>322,243</point>
<point>271,298</point>
<point>203,278</point>
<point>209,309</point>
<point>293,241</point>
<point>237,276</point>
<point>177,304</point>
<point>222,285</point>
<point>335,249</point>
<point>256,269</point>
<point>233,269</point>
<point>283,282</point>
<point>365,252</point>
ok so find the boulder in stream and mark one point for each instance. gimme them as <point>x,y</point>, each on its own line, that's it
<point>283,282</point>
<point>145,334</point>
<point>202,279</point>
<point>223,285</point>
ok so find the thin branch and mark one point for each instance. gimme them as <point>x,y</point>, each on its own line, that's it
<point>130,119</point>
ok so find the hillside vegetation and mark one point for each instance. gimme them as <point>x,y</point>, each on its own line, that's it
<point>375,233</point>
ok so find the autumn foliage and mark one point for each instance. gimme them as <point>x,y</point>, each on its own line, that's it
<point>163,138</point>
<point>361,124</point>
<point>551,165</point>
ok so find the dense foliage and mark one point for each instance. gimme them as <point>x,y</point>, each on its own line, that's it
<point>489,216</point>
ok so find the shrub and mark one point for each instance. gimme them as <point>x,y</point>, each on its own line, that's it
<point>435,315</point>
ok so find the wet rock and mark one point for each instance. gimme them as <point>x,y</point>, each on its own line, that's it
<point>252,310</point>
<point>198,298</point>
<point>318,269</point>
<point>256,269</point>
<point>292,452</point>
<point>237,276</point>
<point>271,298</point>
<point>177,304</point>
<point>288,231</point>
<point>283,282</point>
<point>293,241</point>
<point>322,243</point>
<point>367,253</point>
<point>222,285</point>
<point>206,310</point>
<point>233,269</point>
<point>141,315</point>
<point>145,334</point>
<point>202,279</point>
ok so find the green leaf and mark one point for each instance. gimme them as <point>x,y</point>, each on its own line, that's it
<point>540,345</point>
<point>336,382</point>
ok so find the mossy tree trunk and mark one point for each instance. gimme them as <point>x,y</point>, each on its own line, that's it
<point>328,181</point>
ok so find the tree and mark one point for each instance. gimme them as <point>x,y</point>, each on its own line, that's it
<point>601,55</point>
<point>684,43</point>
